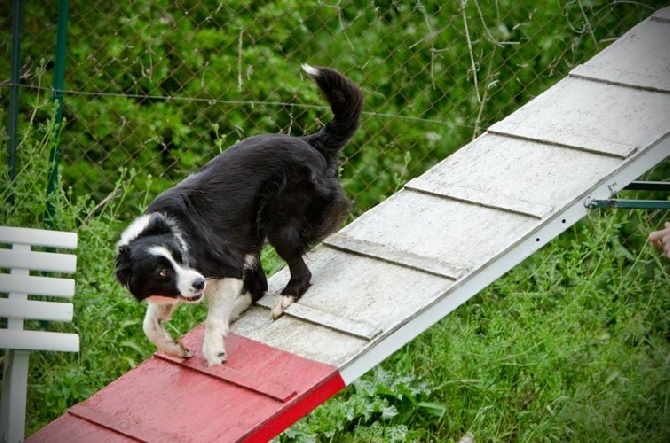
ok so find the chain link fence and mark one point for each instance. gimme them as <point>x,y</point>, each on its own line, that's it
<point>154,89</point>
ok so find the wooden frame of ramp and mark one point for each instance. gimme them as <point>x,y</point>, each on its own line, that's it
<point>408,262</point>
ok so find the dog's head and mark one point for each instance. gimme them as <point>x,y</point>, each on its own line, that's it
<point>152,263</point>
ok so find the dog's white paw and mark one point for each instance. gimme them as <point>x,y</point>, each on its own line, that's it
<point>214,353</point>
<point>175,349</point>
<point>281,303</point>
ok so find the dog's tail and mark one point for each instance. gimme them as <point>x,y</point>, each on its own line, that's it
<point>346,102</point>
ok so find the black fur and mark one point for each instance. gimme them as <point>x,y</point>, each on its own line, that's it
<point>277,187</point>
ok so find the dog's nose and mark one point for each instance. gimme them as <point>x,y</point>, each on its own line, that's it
<point>198,284</point>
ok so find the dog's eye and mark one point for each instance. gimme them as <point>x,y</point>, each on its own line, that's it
<point>163,273</point>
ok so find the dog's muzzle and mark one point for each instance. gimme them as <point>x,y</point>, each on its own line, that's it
<point>197,291</point>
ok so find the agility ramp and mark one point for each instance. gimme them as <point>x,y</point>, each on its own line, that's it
<point>408,262</point>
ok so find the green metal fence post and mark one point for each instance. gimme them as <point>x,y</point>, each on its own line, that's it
<point>59,78</point>
<point>13,121</point>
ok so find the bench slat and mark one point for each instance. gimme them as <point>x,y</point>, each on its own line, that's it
<point>62,287</point>
<point>38,237</point>
<point>36,310</point>
<point>37,261</point>
<point>38,340</point>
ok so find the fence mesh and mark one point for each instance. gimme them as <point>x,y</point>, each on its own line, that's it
<point>161,86</point>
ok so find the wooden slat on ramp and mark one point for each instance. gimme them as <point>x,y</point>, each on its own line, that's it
<point>408,262</point>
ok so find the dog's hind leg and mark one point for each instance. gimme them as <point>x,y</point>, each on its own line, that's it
<point>222,296</point>
<point>300,277</point>
<point>290,247</point>
<point>154,328</point>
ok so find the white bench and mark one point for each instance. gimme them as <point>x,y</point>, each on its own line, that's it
<point>17,260</point>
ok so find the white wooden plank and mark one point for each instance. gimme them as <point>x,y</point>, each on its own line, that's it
<point>593,116</point>
<point>475,196</point>
<point>361,289</point>
<point>38,340</point>
<point>464,234</point>
<point>37,261</point>
<point>359,329</point>
<point>62,287</point>
<point>516,175</point>
<point>325,318</point>
<point>403,258</point>
<point>36,310</point>
<point>38,237</point>
<point>662,14</point>
<point>640,58</point>
<point>298,336</point>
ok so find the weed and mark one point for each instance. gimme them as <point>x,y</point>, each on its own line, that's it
<point>375,407</point>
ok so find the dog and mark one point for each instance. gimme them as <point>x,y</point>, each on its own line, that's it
<point>203,237</point>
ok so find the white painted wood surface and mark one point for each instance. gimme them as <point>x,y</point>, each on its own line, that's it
<point>640,58</point>
<point>305,338</point>
<point>593,116</point>
<point>517,175</point>
<point>371,297</point>
<point>411,260</point>
<point>389,254</point>
<point>462,234</point>
<point>662,15</point>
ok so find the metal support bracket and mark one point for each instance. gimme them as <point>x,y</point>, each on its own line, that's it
<point>615,203</point>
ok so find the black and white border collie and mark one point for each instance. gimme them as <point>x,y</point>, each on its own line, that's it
<point>203,237</point>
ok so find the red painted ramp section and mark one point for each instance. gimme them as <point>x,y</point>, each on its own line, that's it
<point>254,396</point>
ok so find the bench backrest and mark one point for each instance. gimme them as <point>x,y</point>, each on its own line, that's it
<point>17,261</point>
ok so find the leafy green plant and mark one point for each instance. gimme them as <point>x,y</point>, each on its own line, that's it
<point>376,406</point>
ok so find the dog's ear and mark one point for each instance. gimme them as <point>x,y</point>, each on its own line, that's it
<point>123,265</point>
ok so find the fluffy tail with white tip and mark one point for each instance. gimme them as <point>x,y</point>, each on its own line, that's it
<point>346,103</point>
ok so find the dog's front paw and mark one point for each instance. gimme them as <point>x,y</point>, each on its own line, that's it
<point>175,349</point>
<point>281,303</point>
<point>214,353</point>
